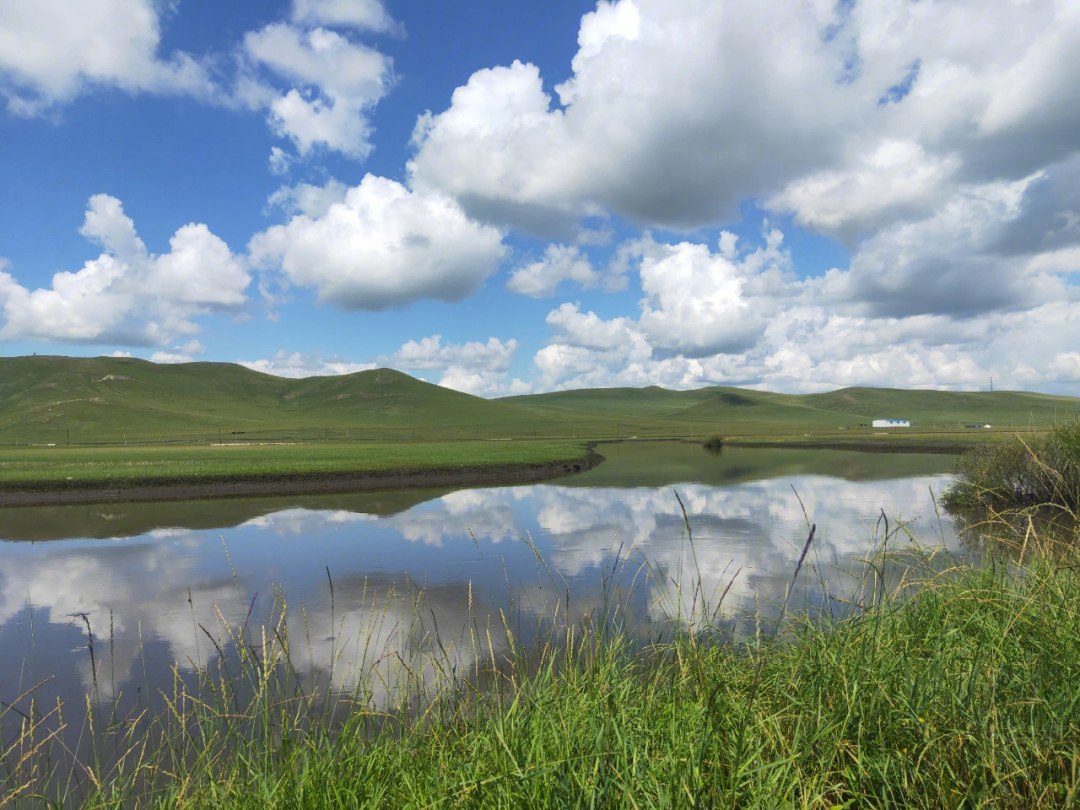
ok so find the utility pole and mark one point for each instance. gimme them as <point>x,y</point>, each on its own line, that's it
<point>991,385</point>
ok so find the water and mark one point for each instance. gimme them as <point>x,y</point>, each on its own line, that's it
<point>153,583</point>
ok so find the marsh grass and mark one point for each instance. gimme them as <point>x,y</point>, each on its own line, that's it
<point>937,685</point>
<point>1021,473</point>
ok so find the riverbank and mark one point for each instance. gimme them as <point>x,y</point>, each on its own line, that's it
<point>885,442</point>
<point>56,476</point>
<point>959,688</point>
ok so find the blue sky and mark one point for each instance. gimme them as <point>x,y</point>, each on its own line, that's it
<point>523,197</point>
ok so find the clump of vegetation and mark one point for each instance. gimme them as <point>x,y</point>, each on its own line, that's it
<point>714,443</point>
<point>1026,471</point>
<point>959,690</point>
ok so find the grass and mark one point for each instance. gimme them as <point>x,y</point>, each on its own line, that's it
<point>714,443</point>
<point>37,468</point>
<point>1040,472</point>
<point>952,687</point>
<point>61,400</point>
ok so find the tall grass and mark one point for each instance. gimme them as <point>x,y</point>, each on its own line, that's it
<point>1036,470</point>
<point>954,686</point>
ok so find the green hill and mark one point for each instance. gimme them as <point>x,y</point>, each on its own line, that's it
<point>947,408</point>
<point>105,399</point>
<point>740,410</point>
<point>105,396</point>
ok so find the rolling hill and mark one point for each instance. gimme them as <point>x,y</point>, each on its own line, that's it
<point>54,399</point>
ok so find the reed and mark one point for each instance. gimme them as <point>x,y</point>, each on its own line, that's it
<point>940,686</point>
<point>1026,471</point>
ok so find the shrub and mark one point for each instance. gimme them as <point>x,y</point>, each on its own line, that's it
<point>1022,472</point>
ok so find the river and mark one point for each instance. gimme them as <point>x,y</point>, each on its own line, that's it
<point>364,577</point>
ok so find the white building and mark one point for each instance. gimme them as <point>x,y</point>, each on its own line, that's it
<point>887,423</point>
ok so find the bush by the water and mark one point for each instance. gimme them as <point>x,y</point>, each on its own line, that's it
<point>714,442</point>
<point>1024,471</point>
<point>964,692</point>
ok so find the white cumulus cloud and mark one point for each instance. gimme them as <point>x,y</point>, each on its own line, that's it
<point>332,85</point>
<point>473,367</point>
<point>382,246</point>
<point>179,354</point>
<point>849,116</point>
<point>305,364</point>
<point>560,263</point>
<point>53,50</point>
<point>128,295</point>
<point>369,15</point>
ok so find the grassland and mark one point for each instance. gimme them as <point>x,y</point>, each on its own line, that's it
<point>954,688</point>
<point>56,413</point>
<point>57,400</point>
<point>61,475</point>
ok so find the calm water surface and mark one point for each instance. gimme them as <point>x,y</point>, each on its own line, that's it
<point>152,582</point>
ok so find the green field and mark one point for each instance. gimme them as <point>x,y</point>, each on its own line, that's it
<point>64,400</point>
<point>108,421</point>
<point>96,467</point>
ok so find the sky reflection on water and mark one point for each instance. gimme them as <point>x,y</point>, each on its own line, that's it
<point>147,597</point>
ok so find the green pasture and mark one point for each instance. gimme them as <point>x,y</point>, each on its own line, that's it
<point>110,400</point>
<point>36,468</point>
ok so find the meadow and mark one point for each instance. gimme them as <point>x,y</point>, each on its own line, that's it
<point>85,422</point>
<point>938,681</point>
<point>941,684</point>
<point>38,468</point>
<point>106,400</point>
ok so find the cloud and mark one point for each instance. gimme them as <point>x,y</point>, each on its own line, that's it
<point>179,354</point>
<point>472,367</point>
<point>316,86</point>
<point>662,120</point>
<point>951,262</point>
<point>932,303</point>
<point>334,84</point>
<point>431,353</point>
<point>53,50</point>
<point>301,364</point>
<point>560,263</point>
<point>127,295</point>
<point>365,15</point>
<point>875,112</point>
<point>311,201</point>
<point>382,246</point>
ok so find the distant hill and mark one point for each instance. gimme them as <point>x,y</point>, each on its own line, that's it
<point>841,408</point>
<point>106,395</point>
<point>49,398</point>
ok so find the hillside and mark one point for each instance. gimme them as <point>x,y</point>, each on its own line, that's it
<point>846,407</point>
<point>108,399</point>
<point>107,396</point>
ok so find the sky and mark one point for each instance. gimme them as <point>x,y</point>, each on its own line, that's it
<point>508,198</point>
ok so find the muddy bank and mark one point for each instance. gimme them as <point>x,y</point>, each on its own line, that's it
<point>318,484</point>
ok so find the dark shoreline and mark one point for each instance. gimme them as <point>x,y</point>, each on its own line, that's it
<point>859,445</point>
<point>321,484</point>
